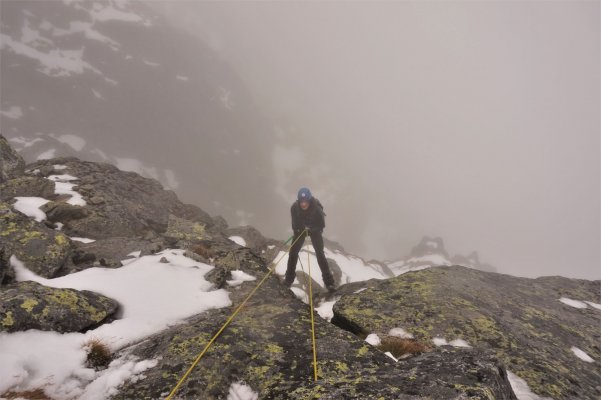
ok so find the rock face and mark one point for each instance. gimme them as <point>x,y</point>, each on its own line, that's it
<point>118,203</point>
<point>44,250</point>
<point>11,163</point>
<point>29,305</point>
<point>521,320</point>
<point>268,346</point>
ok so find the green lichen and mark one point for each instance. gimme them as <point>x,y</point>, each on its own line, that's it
<point>29,304</point>
<point>61,240</point>
<point>363,351</point>
<point>8,321</point>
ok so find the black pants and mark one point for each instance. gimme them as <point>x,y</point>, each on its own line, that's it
<point>317,241</point>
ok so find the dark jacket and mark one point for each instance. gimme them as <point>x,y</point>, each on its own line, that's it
<point>312,218</point>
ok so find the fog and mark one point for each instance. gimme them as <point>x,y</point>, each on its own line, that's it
<point>478,122</point>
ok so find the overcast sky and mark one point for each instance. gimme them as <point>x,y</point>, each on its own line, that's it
<point>475,121</point>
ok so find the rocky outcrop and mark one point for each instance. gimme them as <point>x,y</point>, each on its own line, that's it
<point>12,164</point>
<point>26,186</point>
<point>44,250</point>
<point>268,346</point>
<point>29,305</point>
<point>118,203</point>
<point>521,320</point>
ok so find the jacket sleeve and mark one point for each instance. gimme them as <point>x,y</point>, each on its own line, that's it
<point>295,220</point>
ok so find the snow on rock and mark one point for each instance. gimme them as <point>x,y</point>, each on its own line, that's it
<point>30,206</point>
<point>81,239</point>
<point>438,341</point>
<point>594,305</point>
<point>29,359</point>
<point>59,166</point>
<point>573,303</point>
<point>240,391</point>
<point>373,339</point>
<point>239,277</point>
<point>389,354</point>
<point>238,240</point>
<point>521,388</point>
<point>581,355</point>
<point>401,333</point>
<point>326,309</point>
<point>63,186</point>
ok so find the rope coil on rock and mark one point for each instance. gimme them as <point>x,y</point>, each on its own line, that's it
<point>229,320</point>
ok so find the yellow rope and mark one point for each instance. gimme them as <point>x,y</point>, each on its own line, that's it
<point>227,323</point>
<point>312,319</point>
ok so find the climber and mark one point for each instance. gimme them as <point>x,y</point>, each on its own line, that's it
<point>308,218</point>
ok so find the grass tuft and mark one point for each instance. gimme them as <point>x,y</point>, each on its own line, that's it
<point>399,347</point>
<point>99,354</point>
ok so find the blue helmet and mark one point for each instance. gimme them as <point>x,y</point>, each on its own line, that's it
<point>304,194</point>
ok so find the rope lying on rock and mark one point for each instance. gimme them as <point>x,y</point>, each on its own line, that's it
<point>231,318</point>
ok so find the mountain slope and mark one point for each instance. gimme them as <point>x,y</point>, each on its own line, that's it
<point>112,81</point>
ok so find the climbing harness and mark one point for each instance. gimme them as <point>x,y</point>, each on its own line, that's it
<point>230,319</point>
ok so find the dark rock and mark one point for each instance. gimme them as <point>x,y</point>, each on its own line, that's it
<point>63,212</point>
<point>7,273</point>
<point>109,252</point>
<point>12,164</point>
<point>164,260</point>
<point>43,250</point>
<point>27,186</point>
<point>521,320</point>
<point>29,305</point>
<point>220,223</point>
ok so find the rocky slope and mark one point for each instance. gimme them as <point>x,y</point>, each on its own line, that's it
<point>506,320</point>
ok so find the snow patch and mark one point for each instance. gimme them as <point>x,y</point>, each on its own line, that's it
<point>326,309</point>
<point>238,240</point>
<point>521,388</point>
<point>182,78</point>
<point>373,339</point>
<point>59,167</point>
<point>29,358</point>
<point>240,391</point>
<point>438,341</point>
<point>30,206</point>
<point>594,305</point>
<point>239,277</point>
<point>573,303</point>
<point>81,239</point>
<point>62,186</point>
<point>581,354</point>
<point>401,333</point>
<point>389,354</point>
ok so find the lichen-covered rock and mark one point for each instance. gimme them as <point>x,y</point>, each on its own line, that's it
<point>43,250</point>
<point>521,320</point>
<point>118,203</point>
<point>268,346</point>
<point>27,186</point>
<point>29,305</point>
<point>61,211</point>
<point>12,164</point>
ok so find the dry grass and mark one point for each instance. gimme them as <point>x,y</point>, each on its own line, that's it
<point>99,354</point>
<point>203,250</point>
<point>37,394</point>
<point>399,347</point>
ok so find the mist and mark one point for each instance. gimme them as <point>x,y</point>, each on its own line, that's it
<point>478,122</point>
